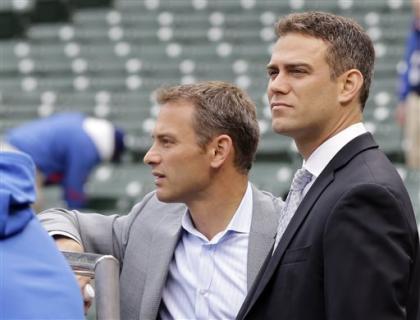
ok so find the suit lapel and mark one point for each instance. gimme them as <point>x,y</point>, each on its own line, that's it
<point>164,242</point>
<point>293,226</point>
<point>348,152</point>
<point>262,233</point>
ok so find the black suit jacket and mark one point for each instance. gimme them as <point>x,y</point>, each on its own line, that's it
<point>350,252</point>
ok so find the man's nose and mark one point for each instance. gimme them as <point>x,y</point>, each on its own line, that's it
<point>279,84</point>
<point>151,157</point>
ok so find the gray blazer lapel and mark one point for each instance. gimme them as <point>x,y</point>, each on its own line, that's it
<point>265,214</point>
<point>262,234</point>
<point>164,242</point>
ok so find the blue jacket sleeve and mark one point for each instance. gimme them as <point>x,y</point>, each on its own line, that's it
<point>411,45</point>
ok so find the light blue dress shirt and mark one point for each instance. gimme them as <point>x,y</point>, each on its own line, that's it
<point>207,279</point>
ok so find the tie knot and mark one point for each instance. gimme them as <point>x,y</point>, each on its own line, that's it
<point>301,179</point>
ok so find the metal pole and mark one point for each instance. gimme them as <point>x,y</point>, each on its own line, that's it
<point>107,295</point>
<point>105,270</point>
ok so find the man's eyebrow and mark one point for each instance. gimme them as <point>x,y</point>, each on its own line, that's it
<point>299,64</point>
<point>272,66</point>
<point>163,135</point>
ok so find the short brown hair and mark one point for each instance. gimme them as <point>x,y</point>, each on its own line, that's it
<point>220,108</point>
<point>349,46</point>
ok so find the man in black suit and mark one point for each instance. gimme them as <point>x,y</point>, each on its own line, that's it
<point>351,248</point>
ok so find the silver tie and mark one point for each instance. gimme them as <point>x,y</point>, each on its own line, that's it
<point>300,180</point>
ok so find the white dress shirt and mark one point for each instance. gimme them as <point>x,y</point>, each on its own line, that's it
<point>207,279</point>
<point>322,155</point>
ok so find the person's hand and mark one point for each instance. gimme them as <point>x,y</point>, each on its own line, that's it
<point>400,113</point>
<point>87,290</point>
<point>67,244</point>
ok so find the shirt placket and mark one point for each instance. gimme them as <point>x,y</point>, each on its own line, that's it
<point>205,276</point>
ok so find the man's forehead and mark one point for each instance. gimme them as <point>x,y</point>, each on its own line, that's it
<point>172,121</point>
<point>298,49</point>
<point>161,130</point>
<point>177,102</point>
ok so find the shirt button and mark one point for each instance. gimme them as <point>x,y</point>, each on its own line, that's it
<point>203,292</point>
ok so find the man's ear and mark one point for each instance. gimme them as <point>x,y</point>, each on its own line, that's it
<point>351,83</point>
<point>221,149</point>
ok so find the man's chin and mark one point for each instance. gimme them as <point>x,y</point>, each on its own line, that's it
<point>165,197</point>
<point>280,129</point>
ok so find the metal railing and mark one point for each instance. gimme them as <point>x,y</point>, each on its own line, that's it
<point>105,270</point>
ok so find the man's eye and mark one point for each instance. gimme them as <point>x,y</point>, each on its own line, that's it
<point>166,142</point>
<point>272,72</point>
<point>298,71</point>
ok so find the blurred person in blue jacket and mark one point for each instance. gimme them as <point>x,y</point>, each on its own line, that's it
<point>36,281</point>
<point>66,147</point>
<point>408,109</point>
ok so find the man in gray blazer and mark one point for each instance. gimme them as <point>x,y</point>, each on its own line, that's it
<point>192,248</point>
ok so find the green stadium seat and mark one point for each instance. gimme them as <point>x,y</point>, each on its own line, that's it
<point>12,24</point>
<point>120,186</point>
<point>273,176</point>
<point>109,57</point>
<point>46,11</point>
<point>411,179</point>
<point>90,3</point>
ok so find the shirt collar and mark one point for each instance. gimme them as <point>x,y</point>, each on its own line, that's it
<point>240,222</point>
<point>322,155</point>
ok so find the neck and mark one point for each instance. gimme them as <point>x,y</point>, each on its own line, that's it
<point>307,146</point>
<point>214,210</point>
